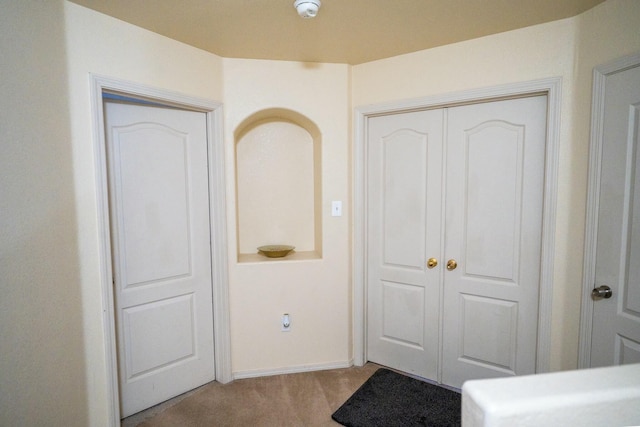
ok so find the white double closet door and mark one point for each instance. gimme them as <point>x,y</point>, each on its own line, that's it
<point>454,223</point>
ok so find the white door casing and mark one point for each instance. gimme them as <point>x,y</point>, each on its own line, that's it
<point>158,176</point>
<point>552,88</point>
<point>217,208</point>
<point>610,328</point>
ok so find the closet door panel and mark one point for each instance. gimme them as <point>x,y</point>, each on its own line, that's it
<point>494,180</point>
<point>404,157</point>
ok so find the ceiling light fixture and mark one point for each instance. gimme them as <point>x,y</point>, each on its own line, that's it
<point>307,8</point>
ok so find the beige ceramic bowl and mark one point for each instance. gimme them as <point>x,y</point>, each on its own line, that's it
<point>276,251</point>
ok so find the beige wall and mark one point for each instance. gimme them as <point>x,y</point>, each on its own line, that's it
<point>315,292</point>
<point>42,362</point>
<point>530,53</point>
<point>52,365</point>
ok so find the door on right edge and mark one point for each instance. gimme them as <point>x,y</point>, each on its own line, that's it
<point>615,336</point>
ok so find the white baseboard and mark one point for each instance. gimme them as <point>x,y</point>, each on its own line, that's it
<point>254,373</point>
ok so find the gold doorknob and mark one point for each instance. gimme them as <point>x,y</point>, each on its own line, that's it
<point>451,264</point>
<point>432,262</point>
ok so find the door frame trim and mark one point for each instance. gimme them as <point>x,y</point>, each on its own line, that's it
<point>552,87</point>
<point>600,74</point>
<point>217,222</point>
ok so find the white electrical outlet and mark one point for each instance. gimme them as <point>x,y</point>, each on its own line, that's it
<point>286,322</point>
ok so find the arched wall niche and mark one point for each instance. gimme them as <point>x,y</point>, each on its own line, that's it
<point>278,155</point>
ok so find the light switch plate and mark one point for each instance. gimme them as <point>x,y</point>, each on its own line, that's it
<point>336,208</point>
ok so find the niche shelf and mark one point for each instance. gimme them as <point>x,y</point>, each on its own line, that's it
<point>278,185</point>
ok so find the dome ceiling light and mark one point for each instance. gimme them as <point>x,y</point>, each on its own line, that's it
<point>307,8</point>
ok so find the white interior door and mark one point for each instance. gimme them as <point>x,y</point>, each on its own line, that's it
<point>616,320</point>
<point>159,206</point>
<point>480,319</point>
<point>495,178</point>
<point>404,216</point>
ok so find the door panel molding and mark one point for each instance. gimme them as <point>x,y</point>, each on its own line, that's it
<point>504,226</point>
<point>501,318</point>
<point>217,219</point>
<point>600,74</point>
<point>404,246</point>
<point>550,87</point>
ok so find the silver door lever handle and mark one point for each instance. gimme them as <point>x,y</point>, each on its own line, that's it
<point>601,292</point>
